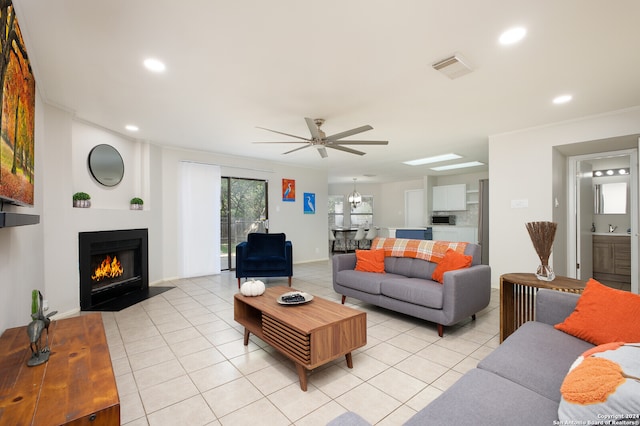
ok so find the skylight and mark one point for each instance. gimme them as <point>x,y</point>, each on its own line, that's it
<point>434,159</point>
<point>457,166</point>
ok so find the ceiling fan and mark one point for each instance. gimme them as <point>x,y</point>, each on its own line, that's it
<point>321,141</point>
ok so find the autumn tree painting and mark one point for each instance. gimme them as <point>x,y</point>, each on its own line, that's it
<point>18,87</point>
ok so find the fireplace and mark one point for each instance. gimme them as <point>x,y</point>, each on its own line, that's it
<point>114,269</point>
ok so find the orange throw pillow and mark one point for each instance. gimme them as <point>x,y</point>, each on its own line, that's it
<point>452,260</point>
<point>370,261</point>
<point>604,315</point>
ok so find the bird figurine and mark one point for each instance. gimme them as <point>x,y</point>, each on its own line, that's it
<point>40,323</point>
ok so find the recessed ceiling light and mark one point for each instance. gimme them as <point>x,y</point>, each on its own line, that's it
<point>132,127</point>
<point>512,35</point>
<point>457,166</point>
<point>154,65</point>
<point>562,99</point>
<point>434,159</point>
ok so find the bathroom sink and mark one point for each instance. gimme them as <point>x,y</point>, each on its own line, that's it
<point>613,234</point>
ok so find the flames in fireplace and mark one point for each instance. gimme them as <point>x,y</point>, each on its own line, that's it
<point>108,268</point>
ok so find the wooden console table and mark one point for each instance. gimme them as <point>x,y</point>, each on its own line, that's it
<point>517,298</point>
<point>75,387</point>
<point>310,334</point>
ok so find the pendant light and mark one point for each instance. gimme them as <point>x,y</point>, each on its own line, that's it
<point>355,198</point>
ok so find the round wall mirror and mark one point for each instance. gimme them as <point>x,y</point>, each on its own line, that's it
<point>106,165</point>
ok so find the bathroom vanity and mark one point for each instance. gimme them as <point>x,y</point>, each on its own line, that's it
<point>612,257</point>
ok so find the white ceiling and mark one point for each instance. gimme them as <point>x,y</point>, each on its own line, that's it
<point>235,65</point>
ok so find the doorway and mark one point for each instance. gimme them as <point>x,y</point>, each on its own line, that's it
<point>244,208</point>
<point>590,221</point>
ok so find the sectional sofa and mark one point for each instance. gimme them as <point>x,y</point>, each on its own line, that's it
<point>520,381</point>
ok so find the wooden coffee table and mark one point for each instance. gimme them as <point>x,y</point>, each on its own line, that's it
<point>310,334</point>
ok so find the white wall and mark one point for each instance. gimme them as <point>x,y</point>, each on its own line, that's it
<point>21,248</point>
<point>521,168</point>
<point>68,143</point>
<point>307,233</point>
<point>45,256</point>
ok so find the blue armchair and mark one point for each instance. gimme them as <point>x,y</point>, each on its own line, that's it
<point>264,255</point>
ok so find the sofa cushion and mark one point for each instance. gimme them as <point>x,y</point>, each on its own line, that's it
<point>603,385</point>
<point>367,282</point>
<point>408,267</point>
<point>451,261</point>
<point>264,263</point>
<point>603,315</point>
<point>370,261</point>
<point>480,398</point>
<point>536,356</point>
<point>413,290</point>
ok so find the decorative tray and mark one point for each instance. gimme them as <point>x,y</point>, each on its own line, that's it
<point>294,298</point>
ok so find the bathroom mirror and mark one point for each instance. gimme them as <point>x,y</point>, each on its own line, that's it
<point>610,198</point>
<point>106,165</point>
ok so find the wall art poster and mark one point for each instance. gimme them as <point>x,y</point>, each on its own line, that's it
<point>309,203</point>
<point>288,190</point>
<point>18,94</point>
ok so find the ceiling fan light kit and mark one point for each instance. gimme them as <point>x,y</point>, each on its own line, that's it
<point>321,141</point>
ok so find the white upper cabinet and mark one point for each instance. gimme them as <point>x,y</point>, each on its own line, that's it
<point>450,198</point>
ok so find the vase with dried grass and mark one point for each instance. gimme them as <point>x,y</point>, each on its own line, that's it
<point>542,235</point>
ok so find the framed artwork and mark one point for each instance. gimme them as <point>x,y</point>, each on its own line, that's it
<point>288,190</point>
<point>309,203</point>
<point>18,95</point>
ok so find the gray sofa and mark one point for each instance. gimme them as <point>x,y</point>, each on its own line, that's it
<point>518,383</point>
<point>406,287</point>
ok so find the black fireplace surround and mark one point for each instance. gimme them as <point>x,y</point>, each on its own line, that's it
<point>114,269</point>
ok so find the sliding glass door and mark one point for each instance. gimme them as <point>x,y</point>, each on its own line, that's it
<point>243,209</point>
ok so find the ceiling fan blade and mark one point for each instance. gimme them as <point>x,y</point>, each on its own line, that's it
<point>322,151</point>
<point>282,133</point>
<point>311,124</point>
<point>349,133</point>
<point>350,142</point>
<point>284,142</point>
<point>297,149</point>
<point>342,148</point>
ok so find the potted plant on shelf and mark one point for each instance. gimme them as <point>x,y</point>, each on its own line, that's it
<point>136,203</point>
<point>81,200</point>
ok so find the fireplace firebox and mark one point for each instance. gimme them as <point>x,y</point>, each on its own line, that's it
<point>114,269</point>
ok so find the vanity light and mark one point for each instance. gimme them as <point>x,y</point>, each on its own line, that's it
<point>154,65</point>
<point>610,172</point>
<point>132,127</point>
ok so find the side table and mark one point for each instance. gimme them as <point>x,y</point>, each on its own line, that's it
<point>517,298</point>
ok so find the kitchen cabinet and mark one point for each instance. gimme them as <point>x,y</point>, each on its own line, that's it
<point>612,258</point>
<point>449,197</point>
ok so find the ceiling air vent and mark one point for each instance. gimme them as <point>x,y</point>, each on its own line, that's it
<point>453,67</point>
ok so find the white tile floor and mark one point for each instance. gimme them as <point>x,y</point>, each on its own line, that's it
<point>179,358</point>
